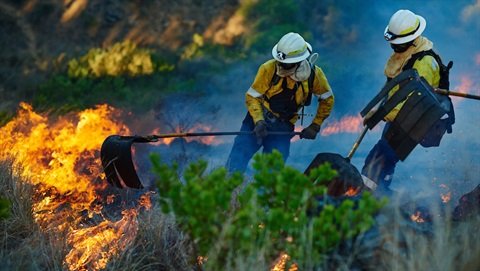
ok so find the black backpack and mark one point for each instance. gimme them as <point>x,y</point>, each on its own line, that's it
<point>275,79</point>
<point>308,101</point>
<point>444,70</point>
<point>432,139</point>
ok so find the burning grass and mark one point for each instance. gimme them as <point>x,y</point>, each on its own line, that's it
<point>64,216</point>
<point>396,243</point>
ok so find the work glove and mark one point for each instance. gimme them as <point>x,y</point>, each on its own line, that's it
<point>367,116</point>
<point>260,129</point>
<point>310,132</point>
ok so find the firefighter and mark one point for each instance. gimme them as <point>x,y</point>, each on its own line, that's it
<point>403,32</point>
<point>280,89</point>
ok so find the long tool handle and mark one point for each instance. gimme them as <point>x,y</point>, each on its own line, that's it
<point>151,138</point>
<point>357,143</point>
<point>459,94</point>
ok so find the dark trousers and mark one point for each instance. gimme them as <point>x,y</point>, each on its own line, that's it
<point>380,163</point>
<point>245,146</point>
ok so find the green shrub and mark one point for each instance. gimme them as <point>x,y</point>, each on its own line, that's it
<point>5,206</point>
<point>217,55</point>
<point>66,94</point>
<point>121,75</point>
<point>121,59</point>
<point>271,216</point>
<point>269,20</point>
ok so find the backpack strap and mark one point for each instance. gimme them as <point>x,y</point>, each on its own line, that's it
<point>275,78</point>
<point>311,78</point>
<point>444,78</point>
<point>418,56</point>
<point>444,69</point>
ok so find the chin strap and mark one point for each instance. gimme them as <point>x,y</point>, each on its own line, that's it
<point>313,58</point>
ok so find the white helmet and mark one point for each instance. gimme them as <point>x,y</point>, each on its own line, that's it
<point>291,48</point>
<point>404,26</point>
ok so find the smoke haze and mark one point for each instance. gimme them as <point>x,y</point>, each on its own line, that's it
<point>353,52</point>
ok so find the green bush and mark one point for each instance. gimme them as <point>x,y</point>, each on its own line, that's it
<point>5,206</point>
<point>66,94</point>
<point>121,59</point>
<point>121,75</point>
<point>269,20</point>
<point>271,214</point>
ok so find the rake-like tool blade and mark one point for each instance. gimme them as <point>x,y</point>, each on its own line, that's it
<point>116,155</point>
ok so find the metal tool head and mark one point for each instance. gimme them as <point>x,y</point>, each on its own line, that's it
<point>348,175</point>
<point>116,156</point>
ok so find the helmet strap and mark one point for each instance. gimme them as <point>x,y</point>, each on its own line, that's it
<point>313,58</point>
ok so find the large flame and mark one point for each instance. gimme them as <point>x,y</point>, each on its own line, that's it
<point>468,84</point>
<point>347,124</point>
<point>60,157</point>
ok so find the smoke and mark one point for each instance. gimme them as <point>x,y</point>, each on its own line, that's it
<point>354,67</point>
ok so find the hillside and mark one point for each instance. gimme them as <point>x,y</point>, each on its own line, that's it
<point>37,36</point>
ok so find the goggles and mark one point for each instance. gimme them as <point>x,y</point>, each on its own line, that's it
<point>400,48</point>
<point>391,36</point>
<point>288,66</point>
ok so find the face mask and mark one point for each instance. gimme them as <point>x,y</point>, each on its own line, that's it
<point>400,48</point>
<point>299,71</point>
<point>288,66</point>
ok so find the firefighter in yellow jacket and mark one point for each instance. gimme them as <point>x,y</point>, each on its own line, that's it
<point>274,106</point>
<point>404,35</point>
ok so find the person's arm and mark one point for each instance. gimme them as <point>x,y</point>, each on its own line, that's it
<point>253,101</point>
<point>324,94</point>
<point>322,91</point>
<point>256,92</point>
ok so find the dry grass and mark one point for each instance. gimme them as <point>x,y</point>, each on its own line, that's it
<point>23,245</point>
<point>441,244</point>
<point>397,243</point>
<point>158,246</point>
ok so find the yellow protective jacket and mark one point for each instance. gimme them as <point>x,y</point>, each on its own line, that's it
<point>426,67</point>
<point>260,89</point>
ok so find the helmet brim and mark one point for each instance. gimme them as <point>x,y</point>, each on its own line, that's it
<point>295,59</point>
<point>402,40</point>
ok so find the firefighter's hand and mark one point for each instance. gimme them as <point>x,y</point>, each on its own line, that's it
<point>367,116</point>
<point>310,132</point>
<point>261,129</point>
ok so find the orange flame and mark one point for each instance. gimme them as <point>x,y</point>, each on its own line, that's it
<point>416,217</point>
<point>281,263</point>
<point>348,124</point>
<point>114,236</point>
<point>60,157</point>
<point>445,197</point>
<point>466,84</point>
<point>352,191</point>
